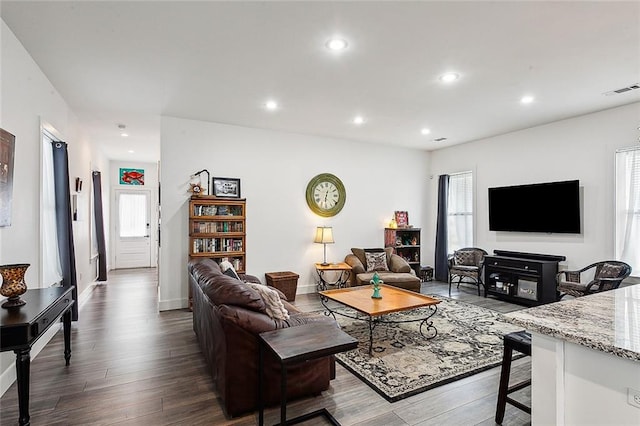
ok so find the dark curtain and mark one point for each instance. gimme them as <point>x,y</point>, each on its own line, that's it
<point>441,268</point>
<point>99,222</point>
<point>63,220</point>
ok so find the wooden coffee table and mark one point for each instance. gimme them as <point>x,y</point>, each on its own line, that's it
<point>393,299</point>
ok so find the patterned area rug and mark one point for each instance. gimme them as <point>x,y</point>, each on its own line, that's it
<point>404,363</point>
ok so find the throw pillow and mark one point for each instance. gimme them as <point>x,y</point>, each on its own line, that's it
<point>228,269</point>
<point>274,306</point>
<point>610,271</point>
<point>376,261</point>
<point>360,253</point>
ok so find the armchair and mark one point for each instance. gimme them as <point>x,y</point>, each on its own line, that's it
<point>607,276</point>
<point>466,263</point>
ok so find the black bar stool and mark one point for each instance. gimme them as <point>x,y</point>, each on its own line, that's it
<point>521,342</point>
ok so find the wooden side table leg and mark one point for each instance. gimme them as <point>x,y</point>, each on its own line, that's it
<point>260,380</point>
<point>23,368</point>
<point>66,320</point>
<point>283,394</point>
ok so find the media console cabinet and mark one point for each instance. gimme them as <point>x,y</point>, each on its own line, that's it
<point>524,278</point>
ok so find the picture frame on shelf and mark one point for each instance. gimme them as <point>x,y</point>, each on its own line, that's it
<point>226,187</point>
<point>402,218</point>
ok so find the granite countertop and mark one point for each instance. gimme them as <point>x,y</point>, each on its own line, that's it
<point>607,321</point>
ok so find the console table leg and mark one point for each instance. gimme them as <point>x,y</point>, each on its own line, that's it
<point>66,321</point>
<point>23,367</point>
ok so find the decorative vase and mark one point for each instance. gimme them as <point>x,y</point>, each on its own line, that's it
<point>376,281</point>
<point>13,284</point>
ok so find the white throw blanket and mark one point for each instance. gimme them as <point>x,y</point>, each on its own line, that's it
<point>275,307</point>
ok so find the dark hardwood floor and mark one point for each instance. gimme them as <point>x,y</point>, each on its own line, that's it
<point>131,365</point>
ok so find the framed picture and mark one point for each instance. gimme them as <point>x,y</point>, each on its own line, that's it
<point>402,219</point>
<point>226,187</point>
<point>131,176</point>
<point>7,148</point>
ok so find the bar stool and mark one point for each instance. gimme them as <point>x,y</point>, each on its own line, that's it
<point>521,342</point>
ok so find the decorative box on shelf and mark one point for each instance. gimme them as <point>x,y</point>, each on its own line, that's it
<point>286,282</point>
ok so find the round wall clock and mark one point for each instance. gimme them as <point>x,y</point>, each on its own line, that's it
<point>326,195</point>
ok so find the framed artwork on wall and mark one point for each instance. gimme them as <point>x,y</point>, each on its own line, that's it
<point>226,187</point>
<point>131,176</point>
<point>402,219</point>
<point>7,149</point>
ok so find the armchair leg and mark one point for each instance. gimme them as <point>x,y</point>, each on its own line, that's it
<point>449,285</point>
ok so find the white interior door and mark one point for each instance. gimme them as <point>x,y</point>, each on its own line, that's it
<point>132,229</point>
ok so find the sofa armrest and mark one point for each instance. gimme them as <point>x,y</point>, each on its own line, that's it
<point>398,265</point>
<point>356,266</point>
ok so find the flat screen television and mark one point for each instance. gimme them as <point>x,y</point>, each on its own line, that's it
<point>551,207</point>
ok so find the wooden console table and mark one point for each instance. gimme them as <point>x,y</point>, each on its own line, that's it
<point>22,327</point>
<point>295,345</point>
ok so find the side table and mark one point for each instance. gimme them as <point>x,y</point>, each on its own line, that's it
<point>343,273</point>
<point>295,345</point>
<point>21,327</point>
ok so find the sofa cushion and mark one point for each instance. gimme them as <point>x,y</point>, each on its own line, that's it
<point>223,290</point>
<point>398,264</point>
<point>376,261</point>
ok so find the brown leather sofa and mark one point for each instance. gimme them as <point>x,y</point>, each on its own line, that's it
<point>227,317</point>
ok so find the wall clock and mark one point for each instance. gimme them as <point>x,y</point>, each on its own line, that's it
<point>326,195</point>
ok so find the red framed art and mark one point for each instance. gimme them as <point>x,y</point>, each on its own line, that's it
<point>402,219</point>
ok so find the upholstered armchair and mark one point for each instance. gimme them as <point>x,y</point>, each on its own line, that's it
<point>607,275</point>
<point>466,263</point>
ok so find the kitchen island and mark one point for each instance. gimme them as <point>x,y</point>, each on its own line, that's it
<point>585,358</point>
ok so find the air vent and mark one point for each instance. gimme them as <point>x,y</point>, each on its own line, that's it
<point>439,139</point>
<point>623,90</point>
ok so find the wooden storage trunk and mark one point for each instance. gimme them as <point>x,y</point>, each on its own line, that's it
<point>286,282</point>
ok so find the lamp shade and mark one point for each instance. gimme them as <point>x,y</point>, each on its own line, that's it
<point>324,235</point>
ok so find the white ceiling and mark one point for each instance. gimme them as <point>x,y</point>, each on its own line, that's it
<point>130,62</point>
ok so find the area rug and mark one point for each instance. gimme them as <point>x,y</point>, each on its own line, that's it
<point>404,363</point>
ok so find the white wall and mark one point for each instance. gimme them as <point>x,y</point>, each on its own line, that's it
<point>577,148</point>
<point>150,184</point>
<point>27,99</point>
<point>274,168</point>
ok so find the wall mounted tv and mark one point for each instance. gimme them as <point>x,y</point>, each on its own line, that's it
<point>552,207</point>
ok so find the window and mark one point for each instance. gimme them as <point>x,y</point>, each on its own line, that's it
<point>460,211</point>
<point>628,208</point>
<point>133,215</point>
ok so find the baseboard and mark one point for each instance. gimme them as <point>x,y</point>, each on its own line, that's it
<point>170,305</point>
<point>8,376</point>
<point>306,289</point>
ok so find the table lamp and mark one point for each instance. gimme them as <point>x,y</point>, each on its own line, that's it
<point>324,236</point>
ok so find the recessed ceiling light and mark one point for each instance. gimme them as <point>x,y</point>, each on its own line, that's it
<point>271,105</point>
<point>425,131</point>
<point>124,135</point>
<point>527,99</point>
<point>131,151</point>
<point>336,44</point>
<point>449,77</point>
<point>358,120</point>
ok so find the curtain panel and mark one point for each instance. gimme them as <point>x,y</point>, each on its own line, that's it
<point>64,220</point>
<point>99,225</point>
<point>441,267</point>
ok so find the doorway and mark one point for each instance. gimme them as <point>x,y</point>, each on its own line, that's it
<point>133,229</point>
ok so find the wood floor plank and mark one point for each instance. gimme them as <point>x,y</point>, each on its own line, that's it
<point>131,365</point>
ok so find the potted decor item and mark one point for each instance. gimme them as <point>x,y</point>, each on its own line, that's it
<point>13,284</point>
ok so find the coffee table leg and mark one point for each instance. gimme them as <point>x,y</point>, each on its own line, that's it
<point>429,322</point>
<point>371,326</point>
